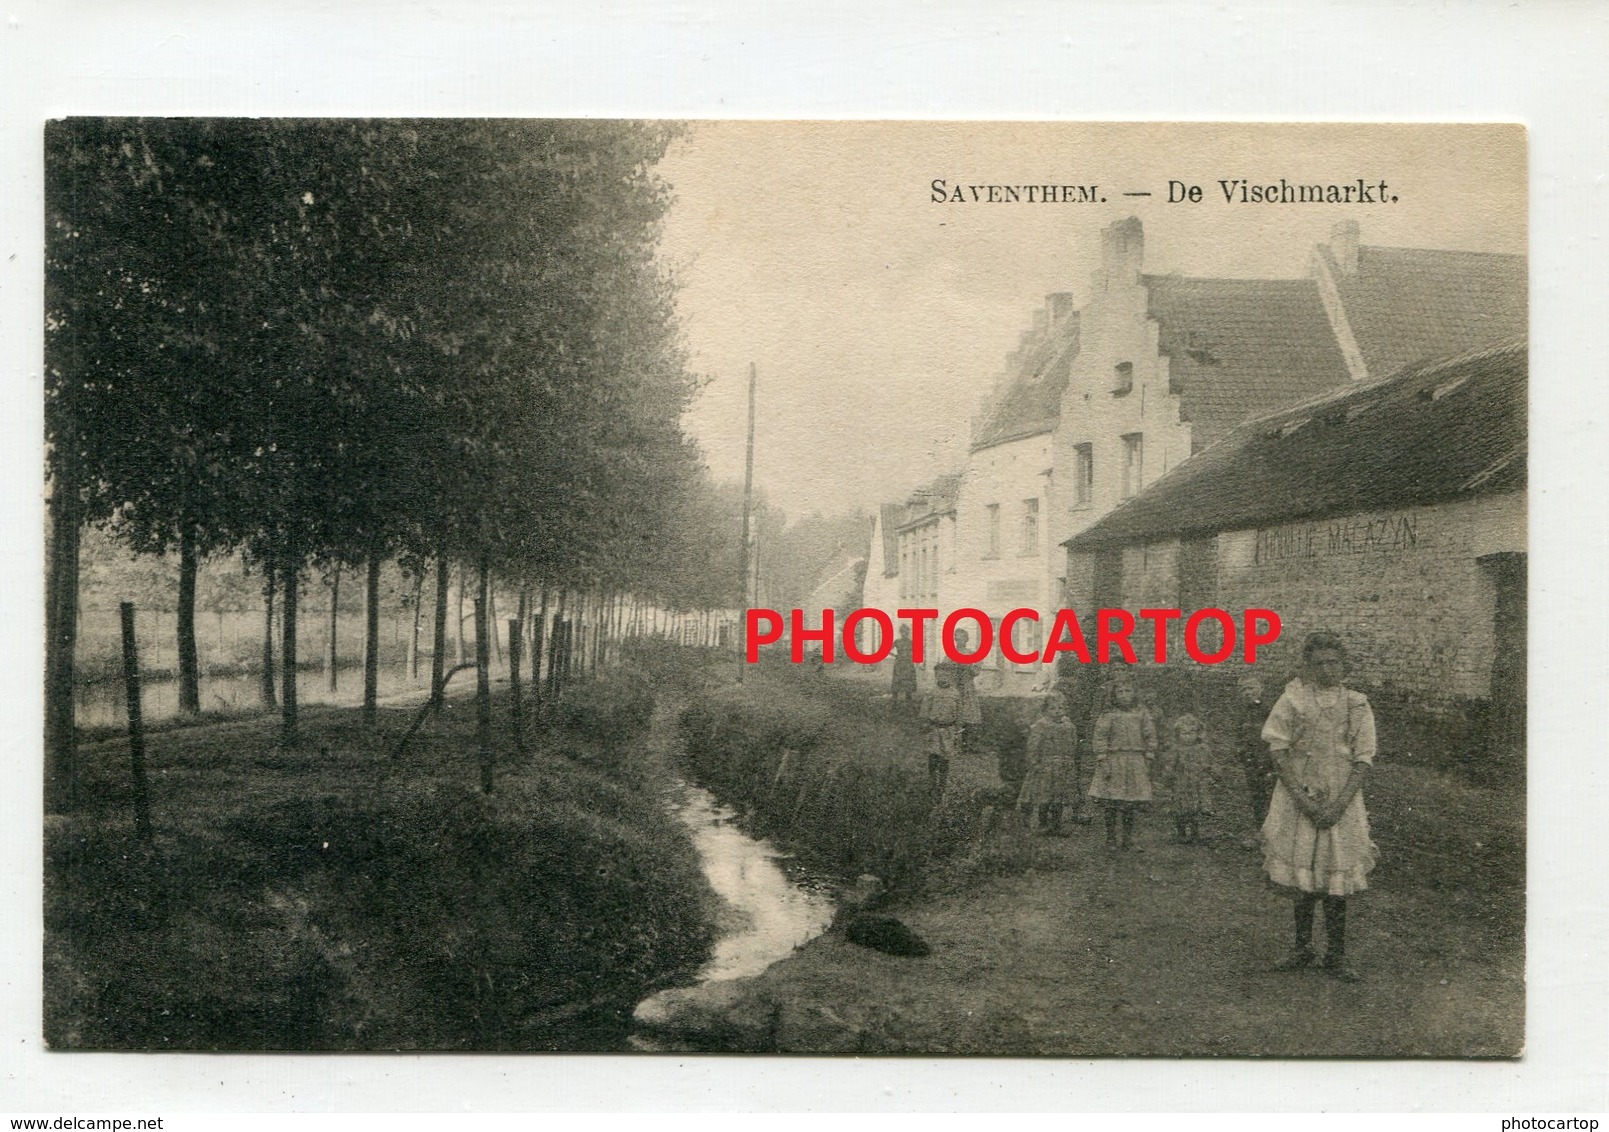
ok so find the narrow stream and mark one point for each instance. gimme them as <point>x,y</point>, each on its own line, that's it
<point>770,913</point>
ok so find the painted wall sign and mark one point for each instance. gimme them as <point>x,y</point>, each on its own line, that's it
<point>1355,534</point>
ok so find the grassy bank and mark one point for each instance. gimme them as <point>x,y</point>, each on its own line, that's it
<point>826,767</point>
<point>1054,946</point>
<point>328,897</point>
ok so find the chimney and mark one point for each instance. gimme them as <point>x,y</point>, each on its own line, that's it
<point>1344,246</point>
<point>1059,305</point>
<point>1122,251</point>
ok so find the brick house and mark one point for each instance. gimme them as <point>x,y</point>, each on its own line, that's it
<point>1391,512</point>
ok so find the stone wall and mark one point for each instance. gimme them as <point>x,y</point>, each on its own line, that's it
<point>1404,589</point>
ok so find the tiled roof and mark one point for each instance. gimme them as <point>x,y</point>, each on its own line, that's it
<point>1239,348</point>
<point>1452,429</point>
<point>1031,403</point>
<point>1409,305</point>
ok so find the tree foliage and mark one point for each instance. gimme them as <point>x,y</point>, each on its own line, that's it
<point>330,341</point>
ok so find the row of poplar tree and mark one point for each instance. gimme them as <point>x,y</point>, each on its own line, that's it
<point>340,342</point>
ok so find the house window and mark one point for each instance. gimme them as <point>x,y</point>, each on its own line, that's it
<point>1030,526</point>
<point>993,550</point>
<point>1027,636</point>
<point>1123,379</point>
<point>1083,474</point>
<point>1133,463</point>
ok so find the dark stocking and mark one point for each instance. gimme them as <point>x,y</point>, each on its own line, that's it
<point>1128,827</point>
<point>1111,825</point>
<point>1180,825</point>
<point>1306,903</point>
<point>1335,930</point>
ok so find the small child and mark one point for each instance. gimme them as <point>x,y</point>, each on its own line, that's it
<point>1188,775</point>
<point>1052,779</point>
<point>941,712</point>
<point>1125,745</point>
<point>1251,712</point>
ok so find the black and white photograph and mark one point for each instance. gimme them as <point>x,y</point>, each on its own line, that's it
<point>671,587</point>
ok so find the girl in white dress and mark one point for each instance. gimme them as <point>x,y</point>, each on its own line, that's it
<point>1316,837</point>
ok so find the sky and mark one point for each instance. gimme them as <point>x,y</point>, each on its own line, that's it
<point>878,318</point>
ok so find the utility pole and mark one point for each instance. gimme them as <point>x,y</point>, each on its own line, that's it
<point>743,553</point>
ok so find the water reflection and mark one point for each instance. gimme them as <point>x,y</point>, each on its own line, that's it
<point>775,915</point>
<point>106,704</point>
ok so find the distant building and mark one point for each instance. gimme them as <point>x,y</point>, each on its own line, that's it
<point>1391,512</point>
<point>912,552</point>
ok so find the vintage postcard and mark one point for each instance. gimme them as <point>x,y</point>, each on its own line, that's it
<point>1041,589</point>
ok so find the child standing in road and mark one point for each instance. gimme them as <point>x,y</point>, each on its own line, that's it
<point>941,712</point>
<point>1052,779</point>
<point>1189,772</point>
<point>1125,745</point>
<point>1316,838</point>
<point>1250,715</point>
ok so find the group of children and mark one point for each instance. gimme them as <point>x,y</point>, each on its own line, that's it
<point>1131,763</point>
<point>1304,762</point>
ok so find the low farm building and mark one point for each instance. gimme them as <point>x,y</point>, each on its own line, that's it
<point>1391,512</point>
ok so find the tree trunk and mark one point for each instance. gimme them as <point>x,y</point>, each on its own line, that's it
<point>555,654</point>
<point>136,726</point>
<point>596,640</point>
<point>61,641</point>
<point>538,638</point>
<point>438,655</point>
<point>413,640</point>
<point>491,616</point>
<point>483,680</point>
<point>461,569</point>
<point>287,710</point>
<point>189,661</point>
<point>270,698</point>
<point>516,640</point>
<point>332,664</point>
<point>371,644</point>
